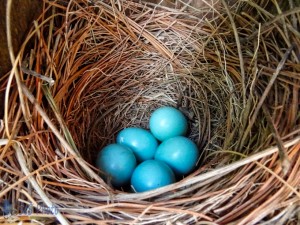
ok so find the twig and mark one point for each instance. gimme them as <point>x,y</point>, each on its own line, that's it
<point>40,76</point>
<point>13,59</point>
<point>36,186</point>
<point>265,27</point>
<point>285,162</point>
<point>239,49</point>
<point>265,94</point>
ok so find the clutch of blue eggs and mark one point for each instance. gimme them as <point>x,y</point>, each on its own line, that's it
<point>149,159</point>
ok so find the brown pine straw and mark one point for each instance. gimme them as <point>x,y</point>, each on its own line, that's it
<point>87,69</point>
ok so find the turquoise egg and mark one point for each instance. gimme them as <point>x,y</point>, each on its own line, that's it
<point>118,163</point>
<point>168,122</point>
<point>151,174</point>
<point>140,141</point>
<point>180,153</point>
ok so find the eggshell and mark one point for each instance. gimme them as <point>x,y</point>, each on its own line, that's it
<point>167,122</point>
<point>140,141</point>
<point>151,174</point>
<point>180,153</point>
<point>117,162</point>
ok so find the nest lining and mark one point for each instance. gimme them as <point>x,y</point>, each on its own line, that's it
<point>112,67</point>
<point>118,81</point>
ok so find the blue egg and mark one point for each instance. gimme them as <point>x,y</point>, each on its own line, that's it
<point>151,174</point>
<point>140,141</point>
<point>180,153</point>
<point>117,162</point>
<point>168,122</point>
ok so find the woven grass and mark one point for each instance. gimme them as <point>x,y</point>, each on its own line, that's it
<point>89,69</point>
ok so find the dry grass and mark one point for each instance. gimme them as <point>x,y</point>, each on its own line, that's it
<point>95,68</point>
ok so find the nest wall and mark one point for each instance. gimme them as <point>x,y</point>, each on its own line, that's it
<point>234,74</point>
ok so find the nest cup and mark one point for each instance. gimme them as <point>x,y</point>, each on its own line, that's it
<point>97,67</point>
<point>110,79</point>
<point>121,77</point>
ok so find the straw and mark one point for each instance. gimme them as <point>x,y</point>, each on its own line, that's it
<point>88,69</point>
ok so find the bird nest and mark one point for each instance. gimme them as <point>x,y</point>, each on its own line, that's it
<point>90,68</point>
